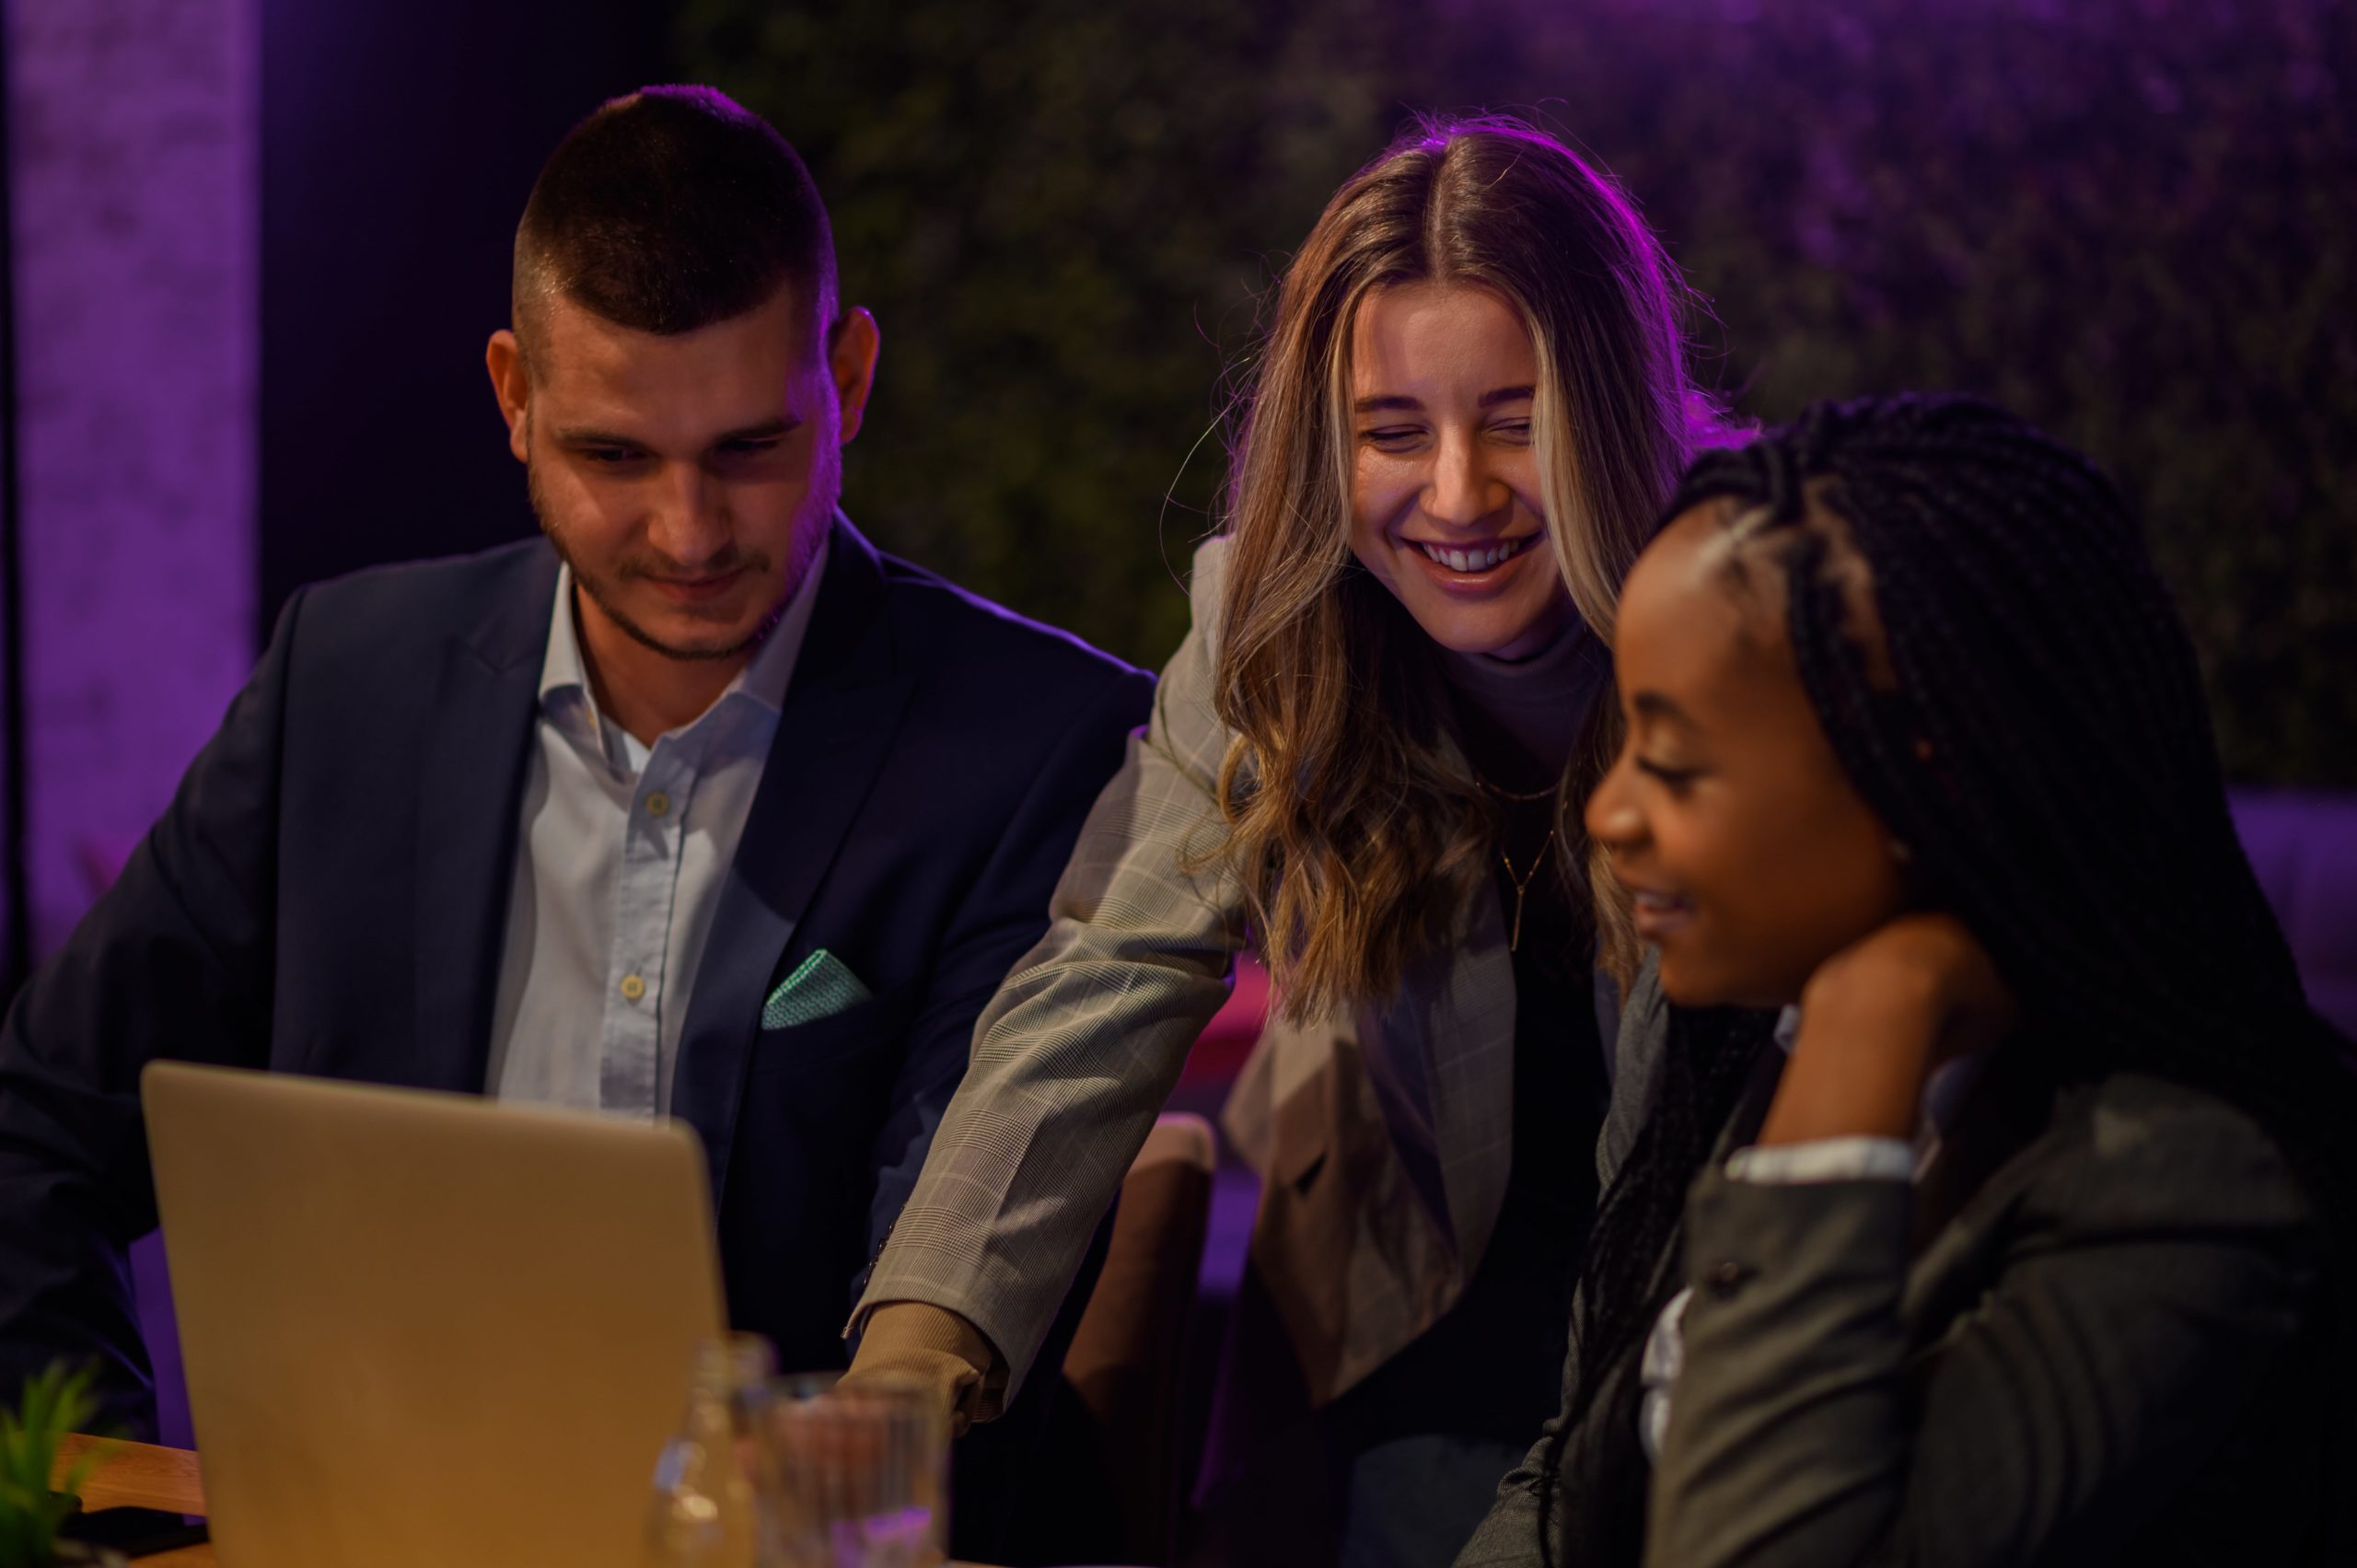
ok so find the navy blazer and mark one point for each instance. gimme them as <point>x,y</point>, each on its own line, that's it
<point>326,894</point>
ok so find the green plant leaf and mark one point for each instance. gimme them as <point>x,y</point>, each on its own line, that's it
<point>58,1402</point>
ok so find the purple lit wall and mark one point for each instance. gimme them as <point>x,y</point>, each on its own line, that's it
<point>133,175</point>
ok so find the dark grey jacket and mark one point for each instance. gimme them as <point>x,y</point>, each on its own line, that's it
<point>2088,1335</point>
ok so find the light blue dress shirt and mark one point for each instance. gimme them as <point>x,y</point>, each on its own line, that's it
<point>620,860</point>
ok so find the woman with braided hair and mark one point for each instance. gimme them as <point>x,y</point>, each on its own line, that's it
<point>2021,1235</point>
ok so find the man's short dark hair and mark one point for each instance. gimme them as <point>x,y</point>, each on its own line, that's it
<point>669,210</point>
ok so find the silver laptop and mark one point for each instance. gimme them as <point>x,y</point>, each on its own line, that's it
<point>424,1328</point>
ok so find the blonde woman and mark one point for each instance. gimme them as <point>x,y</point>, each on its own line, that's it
<point>1366,760</point>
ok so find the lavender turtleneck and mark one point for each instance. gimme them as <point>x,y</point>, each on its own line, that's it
<point>1538,705</point>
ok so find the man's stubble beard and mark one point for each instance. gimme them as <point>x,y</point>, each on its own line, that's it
<point>824,495</point>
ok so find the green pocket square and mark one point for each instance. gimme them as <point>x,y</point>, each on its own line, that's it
<point>820,986</point>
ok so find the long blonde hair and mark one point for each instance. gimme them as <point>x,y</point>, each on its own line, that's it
<point>1353,820</point>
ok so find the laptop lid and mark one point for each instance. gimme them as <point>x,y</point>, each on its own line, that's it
<point>427,1328</point>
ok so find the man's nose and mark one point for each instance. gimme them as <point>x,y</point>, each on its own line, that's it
<point>690,522</point>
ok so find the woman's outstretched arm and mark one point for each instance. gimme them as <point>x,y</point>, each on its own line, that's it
<point>1074,1057</point>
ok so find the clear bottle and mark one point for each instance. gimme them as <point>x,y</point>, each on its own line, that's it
<point>705,1513</point>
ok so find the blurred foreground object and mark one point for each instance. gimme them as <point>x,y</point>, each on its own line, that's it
<point>705,1513</point>
<point>852,1476</point>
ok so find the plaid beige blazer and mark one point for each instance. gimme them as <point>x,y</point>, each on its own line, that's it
<point>1383,1136</point>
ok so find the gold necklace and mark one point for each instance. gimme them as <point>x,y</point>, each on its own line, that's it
<point>1522,886</point>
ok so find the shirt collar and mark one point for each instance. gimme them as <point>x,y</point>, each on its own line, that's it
<point>763,682</point>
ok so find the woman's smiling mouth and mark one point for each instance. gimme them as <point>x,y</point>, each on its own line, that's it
<point>1656,915</point>
<point>1472,560</point>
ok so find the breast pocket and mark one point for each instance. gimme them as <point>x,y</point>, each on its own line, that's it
<point>868,1032</point>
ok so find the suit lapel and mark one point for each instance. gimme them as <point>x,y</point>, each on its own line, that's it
<point>832,737</point>
<point>1442,1062</point>
<point>469,788</point>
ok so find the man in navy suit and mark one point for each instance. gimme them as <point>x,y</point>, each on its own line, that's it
<point>697,806</point>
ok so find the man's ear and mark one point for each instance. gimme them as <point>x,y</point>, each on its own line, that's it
<point>852,345</point>
<point>512,385</point>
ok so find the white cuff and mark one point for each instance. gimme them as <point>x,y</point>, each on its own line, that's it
<point>1825,1159</point>
<point>1665,1354</point>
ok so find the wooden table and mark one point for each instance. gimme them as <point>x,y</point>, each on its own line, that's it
<point>140,1475</point>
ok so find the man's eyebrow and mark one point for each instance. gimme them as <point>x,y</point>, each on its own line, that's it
<point>1654,705</point>
<point>1507,395</point>
<point>767,430</point>
<point>579,435</point>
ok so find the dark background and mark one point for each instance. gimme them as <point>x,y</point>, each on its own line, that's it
<point>399,140</point>
<point>2134,221</point>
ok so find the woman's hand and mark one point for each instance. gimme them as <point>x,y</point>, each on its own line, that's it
<point>1876,1018</point>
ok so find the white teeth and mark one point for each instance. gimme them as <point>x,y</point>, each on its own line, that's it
<point>1473,560</point>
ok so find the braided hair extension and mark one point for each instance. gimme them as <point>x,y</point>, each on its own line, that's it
<point>1624,1279</point>
<point>2037,736</point>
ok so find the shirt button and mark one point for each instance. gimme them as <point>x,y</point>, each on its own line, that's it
<point>657,804</point>
<point>632,987</point>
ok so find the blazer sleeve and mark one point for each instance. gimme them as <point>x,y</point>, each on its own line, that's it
<point>1084,1041</point>
<point>175,959</point>
<point>2153,1269</point>
<point>1000,919</point>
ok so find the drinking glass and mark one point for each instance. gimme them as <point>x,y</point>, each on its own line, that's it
<point>852,1476</point>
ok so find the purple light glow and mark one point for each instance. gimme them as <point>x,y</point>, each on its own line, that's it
<point>133,173</point>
